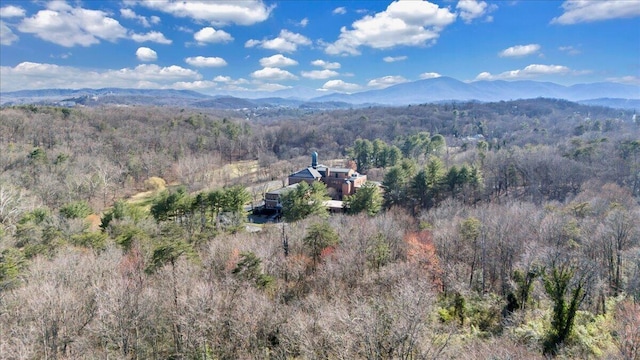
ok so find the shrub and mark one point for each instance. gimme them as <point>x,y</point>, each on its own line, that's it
<point>155,183</point>
<point>76,210</point>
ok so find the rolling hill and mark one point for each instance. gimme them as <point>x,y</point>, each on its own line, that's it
<point>417,92</point>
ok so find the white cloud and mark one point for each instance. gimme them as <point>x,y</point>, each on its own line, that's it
<point>391,59</point>
<point>221,78</point>
<point>631,80</point>
<point>319,74</point>
<point>146,54</point>
<point>326,64</point>
<point>153,36</point>
<point>340,86</point>
<point>44,76</point>
<point>531,71</point>
<point>277,61</point>
<point>386,81</point>
<point>520,50</point>
<point>274,74</point>
<point>473,9</point>
<point>252,43</point>
<point>7,37</point>
<point>430,75</point>
<point>11,11</point>
<point>286,41</point>
<point>201,61</point>
<point>231,84</point>
<point>211,35</point>
<point>130,14</point>
<point>579,11</point>
<point>340,10</point>
<point>304,22</point>
<point>68,26</point>
<point>229,81</point>
<point>270,87</point>
<point>403,23</point>
<point>218,13</point>
<point>194,85</point>
<point>152,72</point>
<point>571,50</point>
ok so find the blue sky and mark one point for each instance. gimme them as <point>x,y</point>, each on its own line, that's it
<point>346,46</point>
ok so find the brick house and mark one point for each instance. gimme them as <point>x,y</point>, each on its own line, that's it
<point>343,181</point>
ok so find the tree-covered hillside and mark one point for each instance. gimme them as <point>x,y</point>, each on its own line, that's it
<point>503,230</point>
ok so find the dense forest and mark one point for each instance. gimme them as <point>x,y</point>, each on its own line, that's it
<point>501,230</point>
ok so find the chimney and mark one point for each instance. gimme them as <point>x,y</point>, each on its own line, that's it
<point>314,160</point>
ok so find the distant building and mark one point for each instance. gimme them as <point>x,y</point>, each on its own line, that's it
<point>343,181</point>
<point>272,198</point>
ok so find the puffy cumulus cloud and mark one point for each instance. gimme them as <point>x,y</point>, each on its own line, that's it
<point>277,61</point>
<point>221,78</point>
<point>286,41</point>
<point>155,73</point>
<point>579,11</point>
<point>146,22</point>
<point>7,37</point>
<point>430,75</point>
<point>340,86</point>
<point>533,70</point>
<point>43,76</point>
<point>273,74</point>
<point>211,35</point>
<point>221,12</point>
<point>403,23</point>
<point>304,22</point>
<point>68,26</point>
<point>130,14</point>
<point>201,61</point>
<point>473,9</point>
<point>520,50</point>
<point>391,59</point>
<point>631,80</point>
<point>38,76</point>
<point>11,11</point>
<point>146,54</point>
<point>252,43</point>
<point>153,36</point>
<point>319,74</point>
<point>386,81</point>
<point>326,64</point>
<point>340,10</point>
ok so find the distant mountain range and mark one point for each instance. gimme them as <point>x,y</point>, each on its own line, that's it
<point>446,89</point>
<point>441,89</point>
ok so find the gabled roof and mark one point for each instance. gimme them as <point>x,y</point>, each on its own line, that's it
<point>308,173</point>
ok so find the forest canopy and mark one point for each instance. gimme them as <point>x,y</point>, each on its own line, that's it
<point>486,230</point>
